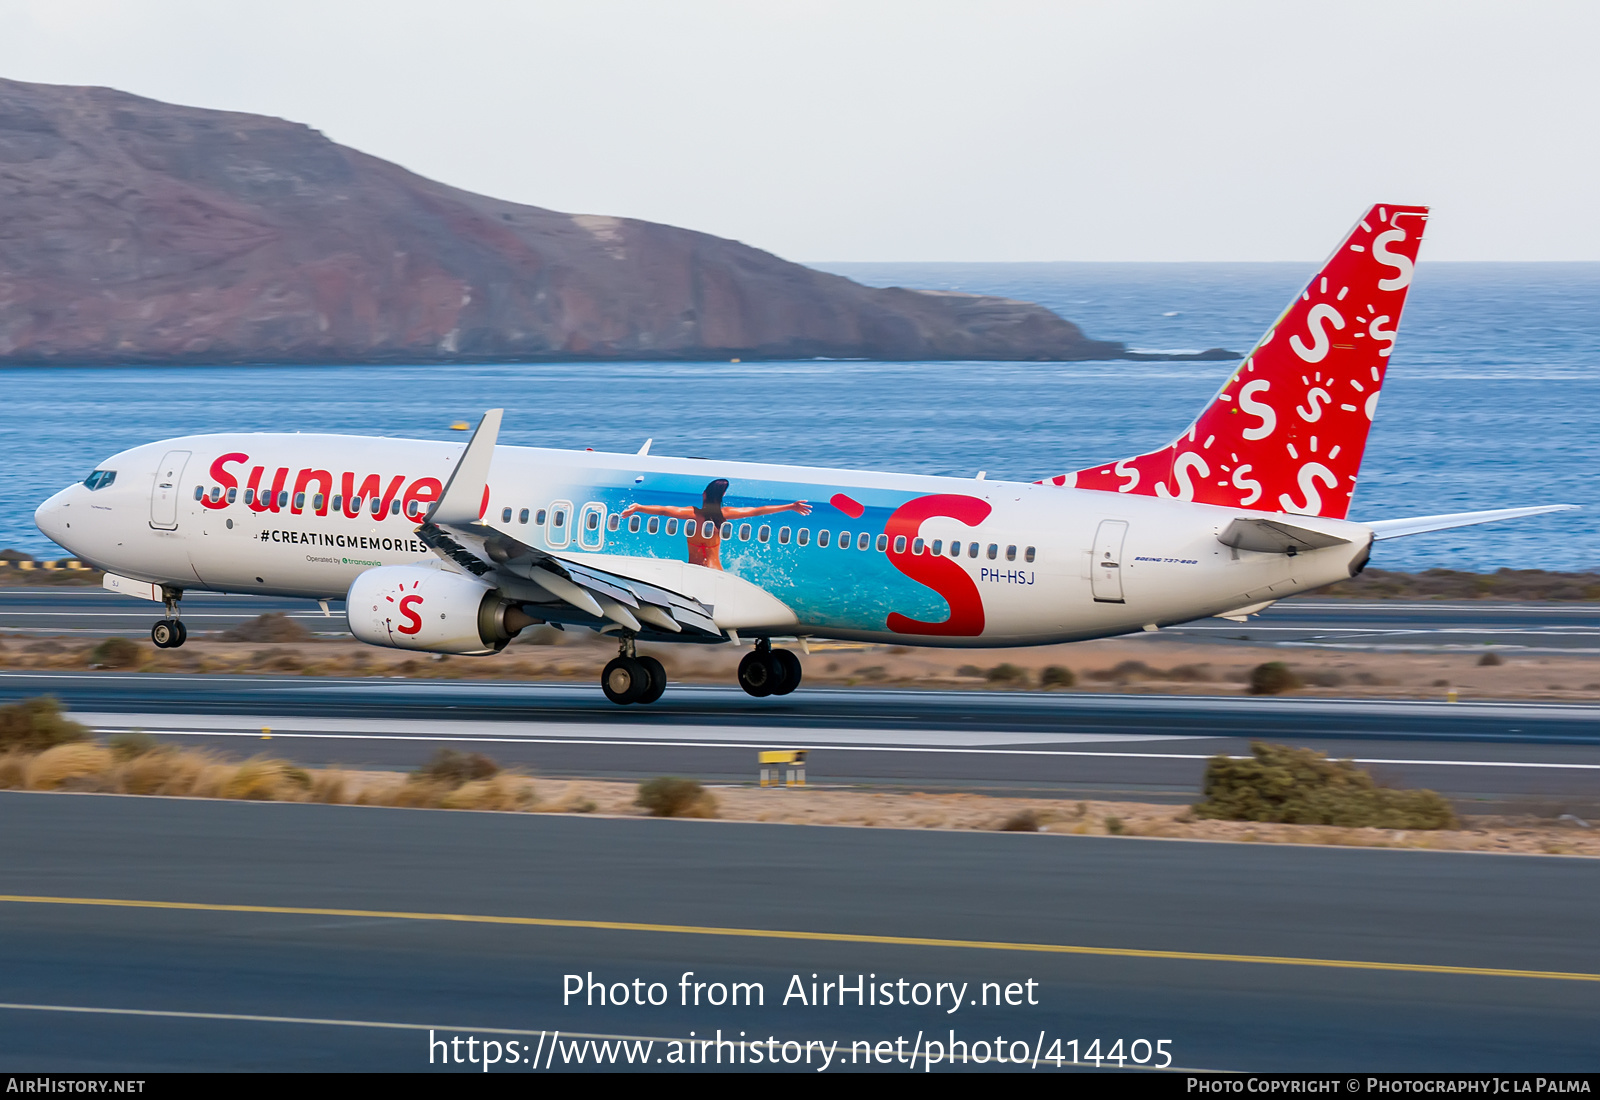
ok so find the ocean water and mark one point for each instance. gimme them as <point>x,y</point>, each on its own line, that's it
<point>1490,400</point>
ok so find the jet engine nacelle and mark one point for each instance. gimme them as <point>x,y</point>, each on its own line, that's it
<point>432,609</point>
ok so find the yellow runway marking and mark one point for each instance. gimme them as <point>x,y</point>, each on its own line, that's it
<point>822,937</point>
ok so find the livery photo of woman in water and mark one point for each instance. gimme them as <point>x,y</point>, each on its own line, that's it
<point>703,525</point>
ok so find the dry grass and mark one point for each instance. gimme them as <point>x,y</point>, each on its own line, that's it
<point>165,770</point>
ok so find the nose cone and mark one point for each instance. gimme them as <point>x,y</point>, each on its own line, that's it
<point>52,516</point>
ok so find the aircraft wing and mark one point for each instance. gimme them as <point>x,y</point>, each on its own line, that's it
<point>561,586</point>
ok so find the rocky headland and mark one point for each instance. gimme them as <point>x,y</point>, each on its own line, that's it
<point>137,232</point>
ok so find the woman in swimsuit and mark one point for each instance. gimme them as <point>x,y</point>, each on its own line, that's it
<point>703,525</point>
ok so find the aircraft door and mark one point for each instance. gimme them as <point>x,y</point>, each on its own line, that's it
<point>558,531</point>
<point>592,526</point>
<point>168,487</point>
<point>1105,572</point>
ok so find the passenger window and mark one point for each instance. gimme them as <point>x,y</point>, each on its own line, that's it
<point>377,506</point>
<point>822,538</point>
<point>250,497</point>
<point>744,532</point>
<point>522,516</point>
<point>764,534</point>
<point>863,541</point>
<point>899,544</point>
<point>727,531</point>
<point>634,522</point>
<point>1011,553</point>
<point>883,542</point>
<point>505,515</point>
<point>216,493</point>
<point>299,502</point>
<point>803,536</point>
<point>560,519</point>
<point>614,522</point>
<point>917,546</point>
<point>972,550</point>
<point>1027,555</point>
<point>938,546</point>
<point>994,550</point>
<point>233,495</point>
<point>654,526</point>
<point>844,540</point>
<point>955,549</point>
<point>593,522</point>
<point>199,491</point>
<point>783,536</point>
<point>317,502</point>
<point>539,517</point>
<point>672,526</point>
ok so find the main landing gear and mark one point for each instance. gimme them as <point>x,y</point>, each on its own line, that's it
<point>630,678</point>
<point>768,671</point>
<point>170,633</point>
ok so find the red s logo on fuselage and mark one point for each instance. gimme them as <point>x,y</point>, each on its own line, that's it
<point>941,574</point>
<point>413,620</point>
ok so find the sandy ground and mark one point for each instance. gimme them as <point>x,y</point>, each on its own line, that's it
<point>1136,664</point>
<point>918,810</point>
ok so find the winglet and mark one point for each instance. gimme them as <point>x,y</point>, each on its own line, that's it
<point>462,500</point>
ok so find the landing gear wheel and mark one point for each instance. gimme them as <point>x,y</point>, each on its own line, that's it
<point>625,681</point>
<point>757,673</point>
<point>658,680</point>
<point>165,634</point>
<point>789,665</point>
<point>182,631</point>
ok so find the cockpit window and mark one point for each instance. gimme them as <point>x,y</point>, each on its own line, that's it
<point>100,479</point>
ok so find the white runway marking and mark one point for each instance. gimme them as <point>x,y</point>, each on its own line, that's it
<point>723,737</point>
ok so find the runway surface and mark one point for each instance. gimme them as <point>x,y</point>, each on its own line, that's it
<point>1501,758</point>
<point>1554,627</point>
<point>353,931</point>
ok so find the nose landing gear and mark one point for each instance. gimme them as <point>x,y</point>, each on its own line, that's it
<point>630,678</point>
<point>767,671</point>
<point>170,633</point>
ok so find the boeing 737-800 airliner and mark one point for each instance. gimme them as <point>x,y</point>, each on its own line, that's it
<point>448,549</point>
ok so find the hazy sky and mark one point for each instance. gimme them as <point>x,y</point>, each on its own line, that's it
<point>921,130</point>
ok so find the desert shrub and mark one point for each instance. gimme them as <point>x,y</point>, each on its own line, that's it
<point>1115,826</point>
<point>1006,673</point>
<point>55,766</point>
<point>1272,678</point>
<point>274,626</point>
<point>1303,787</point>
<point>489,794</point>
<point>1491,659</point>
<point>169,772</point>
<point>1057,676</point>
<point>872,672</point>
<point>1190,673</point>
<point>969,670</point>
<point>117,653</point>
<point>128,746</point>
<point>34,724</point>
<point>453,768</point>
<point>1123,671</point>
<point>672,796</point>
<point>265,780</point>
<point>13,771</point>
<point>1024,821</point>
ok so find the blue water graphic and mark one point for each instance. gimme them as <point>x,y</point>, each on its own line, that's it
<point>1487,404</point>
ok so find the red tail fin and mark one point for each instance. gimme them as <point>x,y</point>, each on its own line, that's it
<point>1287,430</point>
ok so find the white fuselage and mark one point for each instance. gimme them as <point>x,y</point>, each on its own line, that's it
<point>1051,564</point>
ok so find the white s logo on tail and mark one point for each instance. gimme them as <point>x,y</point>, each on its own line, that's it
<point>1318,351</point>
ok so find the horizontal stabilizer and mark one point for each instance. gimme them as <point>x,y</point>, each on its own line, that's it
<point>1275,536</point>
<point>1395,528</point>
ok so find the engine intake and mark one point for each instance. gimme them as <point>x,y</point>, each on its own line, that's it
<point>431,609</point>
